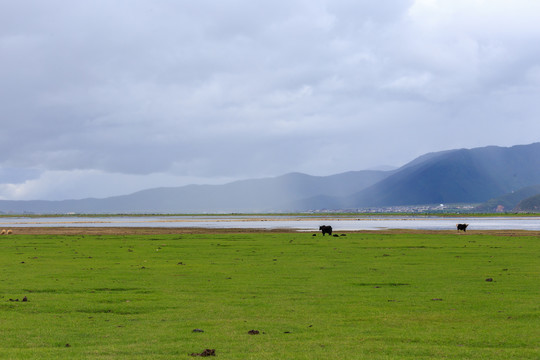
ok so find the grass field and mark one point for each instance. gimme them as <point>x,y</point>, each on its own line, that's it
<point>360,296</point>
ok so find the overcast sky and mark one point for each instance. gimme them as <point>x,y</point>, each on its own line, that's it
<point>107,97</point>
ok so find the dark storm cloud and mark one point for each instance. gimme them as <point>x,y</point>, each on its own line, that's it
<point>163,92</point>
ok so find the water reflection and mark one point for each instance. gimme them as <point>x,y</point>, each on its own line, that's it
<point>339,223</point>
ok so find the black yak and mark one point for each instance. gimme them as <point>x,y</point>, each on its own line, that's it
<point>462,227</point>
<point>326,229</point>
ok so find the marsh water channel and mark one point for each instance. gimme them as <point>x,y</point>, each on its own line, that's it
<point>303,223</point>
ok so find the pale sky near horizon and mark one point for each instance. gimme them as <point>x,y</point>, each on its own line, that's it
<point>107,97</point>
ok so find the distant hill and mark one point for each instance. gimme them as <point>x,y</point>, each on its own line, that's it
<point>531,204</point>
<point>509,201</point>
<point>258,195</point>
<point>453,176</point>
<point>458,176</point>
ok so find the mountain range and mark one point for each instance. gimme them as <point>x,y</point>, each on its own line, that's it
<point>454,176</point>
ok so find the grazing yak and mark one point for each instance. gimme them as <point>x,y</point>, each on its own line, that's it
<point>462,227</point>
<point>326,229</point>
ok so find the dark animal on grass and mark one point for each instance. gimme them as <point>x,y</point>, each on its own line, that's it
<point>326,229</point>
<point>462,227</point>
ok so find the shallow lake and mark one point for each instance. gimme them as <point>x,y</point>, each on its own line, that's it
<point>307,223</point>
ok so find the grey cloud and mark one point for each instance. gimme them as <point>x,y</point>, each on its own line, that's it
<point>241,89</point>
<point>18,175</point>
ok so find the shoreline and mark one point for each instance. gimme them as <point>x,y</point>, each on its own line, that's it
<point>96,230</point>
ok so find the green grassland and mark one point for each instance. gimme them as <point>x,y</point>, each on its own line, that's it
<point>360,296</point>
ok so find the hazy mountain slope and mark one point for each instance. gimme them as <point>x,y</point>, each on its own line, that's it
<point>460,176</point>
<point>269,194</point>
<point>531,204</point>
<point>509,201</point>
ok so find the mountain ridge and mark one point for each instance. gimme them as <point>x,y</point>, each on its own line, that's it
<point>451,176</point>
<point>509,201</point>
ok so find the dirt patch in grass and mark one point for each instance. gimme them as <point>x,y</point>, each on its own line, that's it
<point>205,353</point>
<point>136,231</point>
<point>195,230</point>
